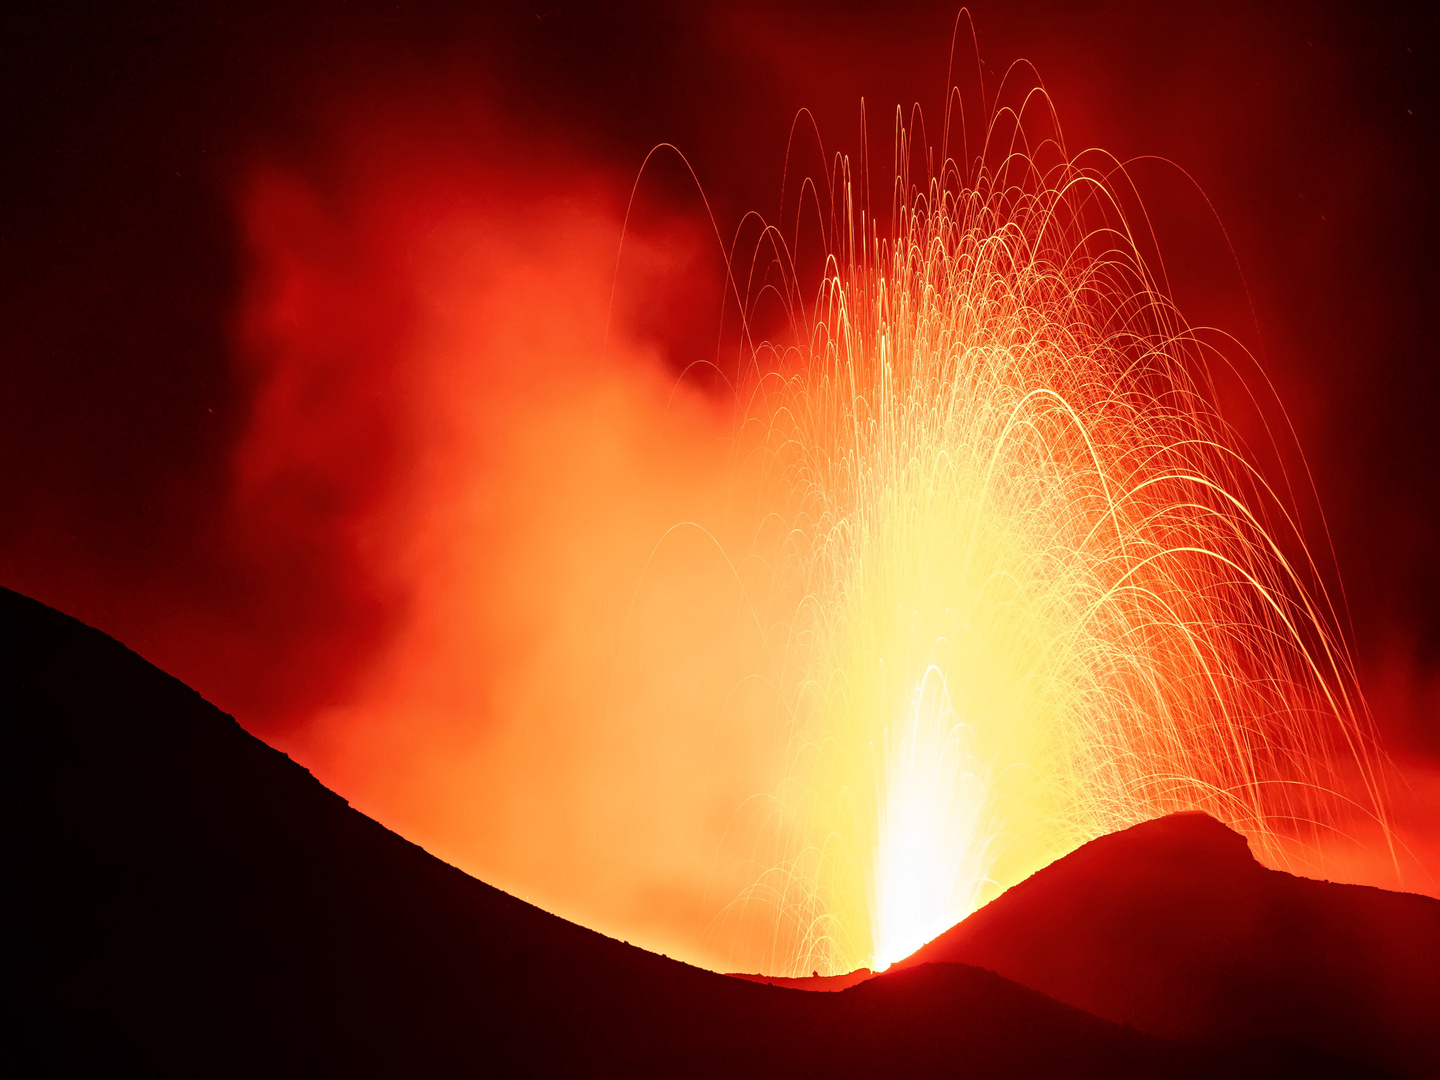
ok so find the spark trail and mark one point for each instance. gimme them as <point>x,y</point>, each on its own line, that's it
<point>1027,588</point>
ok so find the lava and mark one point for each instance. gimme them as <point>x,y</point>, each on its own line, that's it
<point>1033,589</point>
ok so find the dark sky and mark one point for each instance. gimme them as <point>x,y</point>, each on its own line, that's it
<point>126,129</point>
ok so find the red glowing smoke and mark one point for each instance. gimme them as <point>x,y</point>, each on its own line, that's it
<point>455,421</point>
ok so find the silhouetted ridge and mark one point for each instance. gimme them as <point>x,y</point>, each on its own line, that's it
<point>183,900</point>
<point>1174,927</point>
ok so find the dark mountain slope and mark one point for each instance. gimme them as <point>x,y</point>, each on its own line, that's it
<point>182,899</point>
<point>1172,926</point>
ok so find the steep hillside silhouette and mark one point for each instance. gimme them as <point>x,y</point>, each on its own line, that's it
<point>183,900</point>
<point>1173,927</point>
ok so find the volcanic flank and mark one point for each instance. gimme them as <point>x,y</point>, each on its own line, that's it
<point>1172,926</point>
<point>185,899</point>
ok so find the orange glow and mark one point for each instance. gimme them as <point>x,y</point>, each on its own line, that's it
<point>968,572</point>
<point>1035,590</point>
<point>436,389</point>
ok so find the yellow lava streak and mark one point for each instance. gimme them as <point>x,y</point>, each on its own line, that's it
<point>1030,590</point>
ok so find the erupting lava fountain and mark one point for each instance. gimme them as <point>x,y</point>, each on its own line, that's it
<point>1024,587</point>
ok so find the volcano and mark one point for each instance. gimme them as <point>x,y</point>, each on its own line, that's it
<point>1172,926</point>
<point>183,899</point>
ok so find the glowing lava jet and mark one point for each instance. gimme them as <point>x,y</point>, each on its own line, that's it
<point>1027,590</point>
